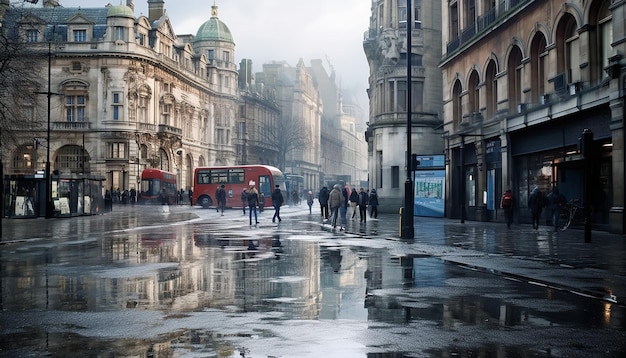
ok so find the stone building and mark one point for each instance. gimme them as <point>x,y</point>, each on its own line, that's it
<point>130,94</point>
<point>385,46</point>
<point>522,81</point>
<point>299,129</point>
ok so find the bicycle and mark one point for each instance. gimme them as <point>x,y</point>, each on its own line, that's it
<point>571,212</point>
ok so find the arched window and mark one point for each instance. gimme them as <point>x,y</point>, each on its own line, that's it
<point>566,51</point>
<point>73,159</point>
<point>473,93</point>
<point>165,160</point>
<point>537,66</point>
<point>457,108</point>
<point>514,76</point>
<point>601,39</point>
<point>491,89</point>
<point>76,96</point>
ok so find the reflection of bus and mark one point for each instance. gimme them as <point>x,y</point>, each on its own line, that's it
<point>153,181</point>
<point>235,178</point>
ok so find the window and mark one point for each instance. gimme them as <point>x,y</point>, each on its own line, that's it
<point>72,158</point>
<point>473,92</point>
<point>220,136</point>
<point>80,35</point>
<point>395,177</point>
<point>117,105</point>
<point>75,108</point>
<point>141,39</point>
<point>117,150</point>
<point>537,66</point>
<point>210,54</point>
<point>226,56</point>
<point>120,33</point>
<point>457,109</point>
<point>401,100</point>
<point>32,36</point>
<point>491,89</point>
<point>515,82</point>
<point>23,158</point>
<point>165,113</point>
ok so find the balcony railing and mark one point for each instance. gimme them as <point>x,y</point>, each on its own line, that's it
<point>484,23</point>
<point>164,128</point>
<point>70,126</point>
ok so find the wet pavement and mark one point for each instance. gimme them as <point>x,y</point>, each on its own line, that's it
<point>187,282</point>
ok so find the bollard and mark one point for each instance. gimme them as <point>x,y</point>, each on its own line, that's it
<point>401,216</point>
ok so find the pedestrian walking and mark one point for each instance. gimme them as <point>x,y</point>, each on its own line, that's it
<point>536,202</point>
<point>507,203</point>
<point>190,197</point>
<point>277,202</point>
<point>253,201</point>
<point>554,202</point>
<point>373,203</point>
<point>343,210</point>
<point>133,196</point>
<point>362,204</point>
<point>334,202</point>
<point>323,199</point>
<point>244,200</point>
<point>309,201</point>
<point>220,196</point>
<point>354,198</point>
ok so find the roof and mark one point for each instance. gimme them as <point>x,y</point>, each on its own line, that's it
<point>214,29</point>
<point>56,19</point>
<point>120,11</point>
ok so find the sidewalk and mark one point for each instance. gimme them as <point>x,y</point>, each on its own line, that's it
<point>559,260</point>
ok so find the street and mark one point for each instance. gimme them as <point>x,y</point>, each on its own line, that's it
<point>177,281</point>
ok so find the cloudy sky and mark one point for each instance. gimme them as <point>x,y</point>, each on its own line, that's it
<point>279,30</point>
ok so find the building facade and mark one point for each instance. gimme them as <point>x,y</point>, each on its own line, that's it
<point>298,134</point>
<point>522,81</point>
<point>385,46</point>
<point>129,94</point>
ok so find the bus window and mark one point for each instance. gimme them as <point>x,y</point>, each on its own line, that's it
<point>264,185</point>
<point>237,176</point>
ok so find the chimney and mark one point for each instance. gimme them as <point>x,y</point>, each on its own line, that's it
<point>156,9</point>
<point>130,4</point>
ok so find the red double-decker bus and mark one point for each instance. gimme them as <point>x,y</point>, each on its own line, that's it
<point>206,180</point>
<point>155,181</point>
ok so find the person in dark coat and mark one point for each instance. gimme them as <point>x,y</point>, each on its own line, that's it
<point>536,203</point>
<point>253,201</point>
<point>373,202</point>
<point>362,204</point>
<point>277,202</point>
<point>507,203</point>
<point>354,198</point>
<point>220,196</point>
<point>554,201</point>
<point>323,199</point>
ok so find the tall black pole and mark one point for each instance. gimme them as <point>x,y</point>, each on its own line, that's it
<point>408,229</point>
<point>462,178</point>
<point>49,203</point>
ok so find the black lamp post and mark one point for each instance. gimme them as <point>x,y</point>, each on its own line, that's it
<point>407,227</point>
<point>49,202</point>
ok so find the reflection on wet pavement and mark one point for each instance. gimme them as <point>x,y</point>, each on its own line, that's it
<point>258,285</point>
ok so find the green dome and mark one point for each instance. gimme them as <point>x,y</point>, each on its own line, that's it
<point>214,30</point>
<point>120,11</point>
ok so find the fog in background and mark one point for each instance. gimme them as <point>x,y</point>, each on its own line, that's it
<point>279,30</point>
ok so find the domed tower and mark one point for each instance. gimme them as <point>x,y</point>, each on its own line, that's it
<point>214,40</point>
